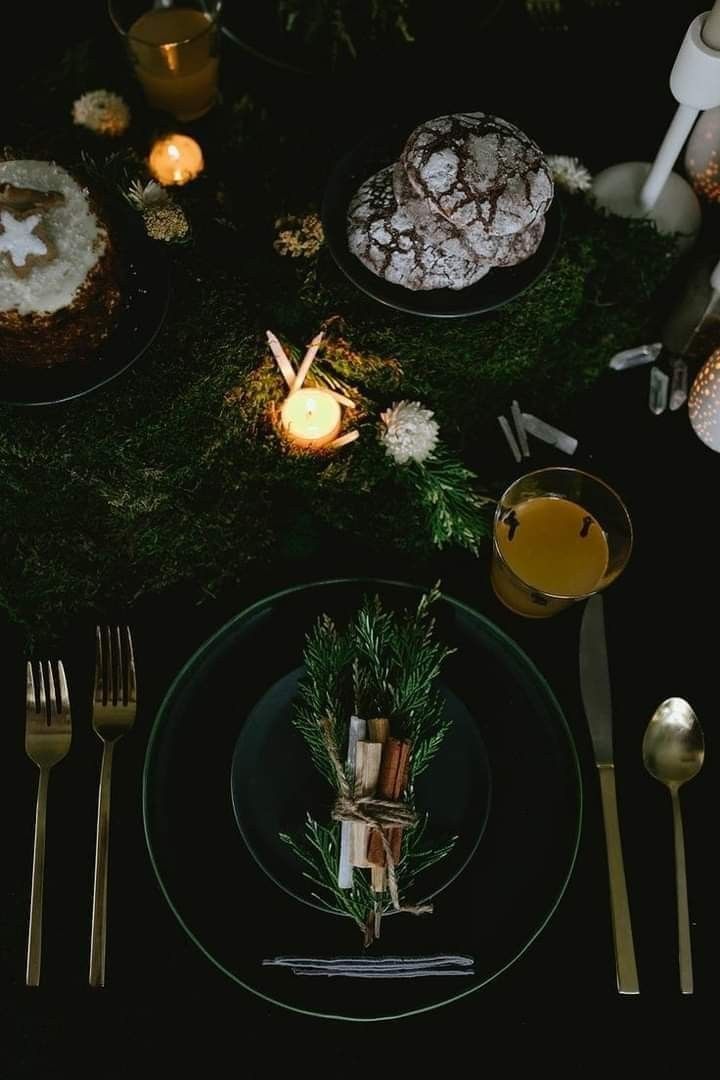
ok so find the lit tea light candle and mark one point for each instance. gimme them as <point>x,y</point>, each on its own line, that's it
<point>175,159</point>
<point>311,417</point>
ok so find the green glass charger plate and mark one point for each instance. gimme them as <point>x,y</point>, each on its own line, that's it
<point>491,903</point>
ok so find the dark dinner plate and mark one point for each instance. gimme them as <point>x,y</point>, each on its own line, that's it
<point>239,897</point>
<point>498,287</point>
<point>145,284</point>
<point>454,790</point>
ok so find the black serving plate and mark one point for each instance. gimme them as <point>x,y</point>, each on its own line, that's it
<point>145,283</point>
<point>223,732</point>
<point>498,287</point>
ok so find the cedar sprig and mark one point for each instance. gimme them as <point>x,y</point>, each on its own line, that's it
<point>325,692</point>
<point>319,854</point>
<point>385,663</point>
<point>455,511</point>
<point>397,665</point>
<point>418,854</point>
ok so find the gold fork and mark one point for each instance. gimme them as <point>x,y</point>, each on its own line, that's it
<point>114,711</point>
<point>47,741</point>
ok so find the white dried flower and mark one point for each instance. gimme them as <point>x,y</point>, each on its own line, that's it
<point>147,196</point>
<point>166,223</point>
<point>408,432</point>
<point>103,112</point>
<point>569,173</point>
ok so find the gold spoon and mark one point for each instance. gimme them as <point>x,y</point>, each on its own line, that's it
<point>673,752</point>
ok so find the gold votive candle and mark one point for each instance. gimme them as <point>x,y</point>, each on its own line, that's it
<point>175,159</point>
<point>310,417</point>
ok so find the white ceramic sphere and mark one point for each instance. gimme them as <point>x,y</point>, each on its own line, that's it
<point>677,210</point>
<point>704,403</point>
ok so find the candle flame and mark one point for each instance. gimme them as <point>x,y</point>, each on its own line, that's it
<point>173,151</point>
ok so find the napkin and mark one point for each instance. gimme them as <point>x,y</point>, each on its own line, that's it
<point>375,967</point>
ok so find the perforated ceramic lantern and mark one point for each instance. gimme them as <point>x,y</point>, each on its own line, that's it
<point>702,155</point>
<point>704,403</point>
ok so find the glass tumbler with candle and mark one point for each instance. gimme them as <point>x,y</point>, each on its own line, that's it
<point>559,535</point>
<point>174,50</point>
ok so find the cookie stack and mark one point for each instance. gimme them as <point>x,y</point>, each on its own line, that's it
<point>469,192</point>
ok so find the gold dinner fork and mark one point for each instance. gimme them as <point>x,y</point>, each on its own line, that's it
<point>47,741</point>
<point>113,714</point>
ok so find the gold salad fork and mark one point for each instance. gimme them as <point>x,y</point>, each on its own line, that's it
<point>114,711</point>
<point>47,741</point>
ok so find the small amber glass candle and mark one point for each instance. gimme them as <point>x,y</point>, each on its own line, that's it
<point>175,159</point>
<point>311,417</point>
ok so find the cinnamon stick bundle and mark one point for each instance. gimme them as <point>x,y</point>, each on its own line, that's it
<point>391,784</point>
<point>367,768</point>
<point>379,731</point>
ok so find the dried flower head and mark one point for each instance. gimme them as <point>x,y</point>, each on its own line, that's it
<point>103,112</point>
<point>569,173</point>
<point>408,432</point>
<point>166,223</point>
<point>299,237</point>
<point>147,196</point>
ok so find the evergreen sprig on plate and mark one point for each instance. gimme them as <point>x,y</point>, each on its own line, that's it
<point>384,663</point>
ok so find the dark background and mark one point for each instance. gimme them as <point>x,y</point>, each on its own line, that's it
<point>598,90</point>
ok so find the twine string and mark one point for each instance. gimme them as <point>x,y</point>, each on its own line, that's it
<point>379,814</point>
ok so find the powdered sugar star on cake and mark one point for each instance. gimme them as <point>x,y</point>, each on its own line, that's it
<point>58,285</point>
<point>18,238</point>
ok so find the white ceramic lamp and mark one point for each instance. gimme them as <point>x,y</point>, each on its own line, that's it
<point>643,190</point>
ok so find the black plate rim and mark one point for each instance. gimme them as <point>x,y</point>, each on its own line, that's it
<point>393,296</point>
<point>185,674</point>
<point>160,283</point>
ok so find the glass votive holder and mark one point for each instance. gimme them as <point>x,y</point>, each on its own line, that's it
<point>174,50</point>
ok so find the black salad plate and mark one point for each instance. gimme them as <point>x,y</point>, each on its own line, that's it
<point>454,790</point>
<point>222,754</point>
<point>145,287</point>
<point>498,287</point>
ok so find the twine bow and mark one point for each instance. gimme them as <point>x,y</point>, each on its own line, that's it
<point>377,813</point>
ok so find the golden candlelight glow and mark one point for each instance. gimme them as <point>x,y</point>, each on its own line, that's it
<point>311,417</point>
<point>176,159</point>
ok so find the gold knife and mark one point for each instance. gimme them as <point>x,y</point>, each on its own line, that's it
<point>595,688</point>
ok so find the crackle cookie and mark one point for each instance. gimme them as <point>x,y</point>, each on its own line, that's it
<point>387,240</point>
<point>479,172</point>
<point>499,251</point>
